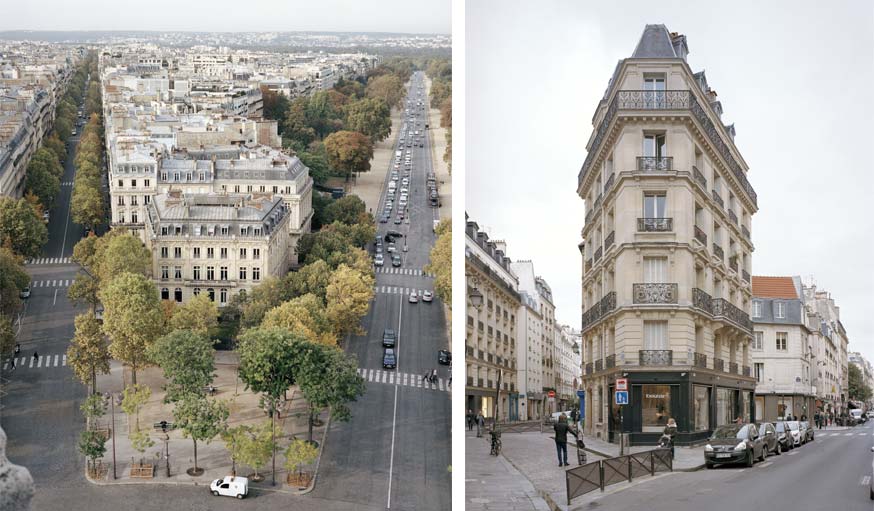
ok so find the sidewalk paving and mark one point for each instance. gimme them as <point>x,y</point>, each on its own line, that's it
<point>438,148</point>
<point>493,483</point>
<point>368,185</point>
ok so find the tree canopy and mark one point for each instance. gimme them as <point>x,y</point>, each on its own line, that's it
<point>21,229</point>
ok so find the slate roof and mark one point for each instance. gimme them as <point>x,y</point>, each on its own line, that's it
<point>655,42</point>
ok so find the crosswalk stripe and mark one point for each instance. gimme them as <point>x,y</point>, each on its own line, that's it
<point>31,363</point>
<point>440,383</point>
<point>56,360</point>
<point>64,360</point>
<point>370,376</point>
<point>39,362</point>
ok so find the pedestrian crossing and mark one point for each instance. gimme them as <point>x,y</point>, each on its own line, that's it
<point>49,260</point>
<point>40,362</point>
<point>402,379</point>
<point>404,271</point>
<point>66,183</point>
<point>395,290</point>
<point>51,283</point>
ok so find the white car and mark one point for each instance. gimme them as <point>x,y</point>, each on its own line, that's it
<point>427,296</point>
<point>379,260</point>
<point>414,298</point>
<point>25,293</point>
<point>556,415</point>
<point>230,487</point>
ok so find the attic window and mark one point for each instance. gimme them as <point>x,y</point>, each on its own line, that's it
<point>779,310</point>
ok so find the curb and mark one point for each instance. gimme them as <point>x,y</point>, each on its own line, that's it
<point>312,485</point>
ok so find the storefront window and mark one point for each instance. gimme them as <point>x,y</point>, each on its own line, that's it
<point>656,407</point>
<point>701,408</point>
<point>745,406</point>
<point>724,406</point>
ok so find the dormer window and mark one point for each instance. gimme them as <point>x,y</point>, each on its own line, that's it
<point>779,310</point>
<point>757,309</point>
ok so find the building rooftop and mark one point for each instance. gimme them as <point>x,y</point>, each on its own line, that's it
<point>774,287</point>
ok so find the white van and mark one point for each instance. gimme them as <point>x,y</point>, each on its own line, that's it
<point>230,486</point>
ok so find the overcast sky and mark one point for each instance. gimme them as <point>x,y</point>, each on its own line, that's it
<point>795,78</point>
<point>431,16</point>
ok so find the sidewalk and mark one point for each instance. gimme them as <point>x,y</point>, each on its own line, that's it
<point>368,185</point>
<point>493,483</point>
<point>438,148</point>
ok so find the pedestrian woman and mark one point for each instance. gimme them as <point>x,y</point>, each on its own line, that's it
<point>469,420</point>
<point>670,431</point>
<point>561,429</point>
<point>480,424</point>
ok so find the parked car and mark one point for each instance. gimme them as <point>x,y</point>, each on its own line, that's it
<point>805,426</point>
<point>784,436</point>
<point>392,248</point>
<point>444,357</point>
<point>384,218</point>
<point>857,417</point>
<point>25,293</point>
<point>427,296</point>
<point>45,216</point>
<point>770,437</point>
<point>389,338</point>
<point>734,443</point>
<point>389,360</point>
<point>395,260</point>
<point>871,484</point>
<point>230,486</point>
<point>795,433</point>
<point>379,260</point>
<point>556,415</point>
<point>414,298</point>
<point>870,413</point>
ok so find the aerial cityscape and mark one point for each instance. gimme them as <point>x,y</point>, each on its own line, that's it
<point>225,269</point>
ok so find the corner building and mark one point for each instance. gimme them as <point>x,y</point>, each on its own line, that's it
<point>667,253</point>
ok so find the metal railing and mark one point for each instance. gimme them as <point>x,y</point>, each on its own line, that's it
<point>701,360</point>
<point>602,473</point>
<point>596,311</point>
<point>699,178</point>
<point>597,256</point>
<point>717,198</point>
<point>745,275</point>
<point>656,357</point>
<point>599,365</point>
<point>732,263</point>
<point>732,216</point>
<point>611,361</point>
<point>747,371</point>
<point>725,309</point>
<point>702,300</point>
<point>655,163</point>
<point>655,293</point>
<point>655,224</point>
<point>608,241</point>
<point>719,364</point>
<point>589,368</point>
<point>718,252</point>
<point>701,236</point>
<point>745,231</point>
<point>609,182</point>
<point>732,368</point>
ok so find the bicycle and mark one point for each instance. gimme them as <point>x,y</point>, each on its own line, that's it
<point>496,443</point>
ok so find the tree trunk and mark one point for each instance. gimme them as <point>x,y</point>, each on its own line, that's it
<point>133,374</point>
<point>310,425</point>
<point>93,380</point>
<point>195,454</point>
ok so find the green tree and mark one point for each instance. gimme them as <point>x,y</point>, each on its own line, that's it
<point>369,116</point>
<point>199,315</point>
<point>312,279</point>
<point>92,444</point>
<point>348,300</point>
<point>305,316</point>
<point>42,183</point>
<point>234,439</point>
<point>84,289</point>
<point>321,114</point>
<point>201,420</point>
<point>441,263</point>
<point>389,88</point>
<point>132,318</point>
<point>320,204</point>
<point>328,378</point>
<point>13,278</point>
<point>135,397</point>
<point>858,390</point>
<point>187,360</point>
<point>86,204</point>
<point>93,408</point>
<point>21,230</point>
<point>7,336</point>
<point>349,152</point>
<point>349,210</point>
<point>140,441</point>
<point>122,253</point>
<point>88,352</point>
<point>257,446</point>
<point>54,144</point>
<point>256,303</point>
<point>299,453</point>
<point>296,127</point>
<point>275,106</point>
<point>317,161</point>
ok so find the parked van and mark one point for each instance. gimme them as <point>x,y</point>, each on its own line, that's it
<point>230,486</point>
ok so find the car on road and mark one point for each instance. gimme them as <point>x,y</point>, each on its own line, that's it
<point>398,220</point>
<point>396,260</point>
<point>871,484</point>
<point>427,296</point>
<point>795,433</point>
<point>24,294</point>
<point>379,260</point>
<point>869,413</point>
<point>392,234</point>
<point>414,298</point>
<point>734,443</point>
<point>45,216</point>
<point>857,417</point>
<point>389,338</point>
<point>770,437</point>
<point>230,486</point>
<point>389,359</point>
<point>808,431</point>
<point>444,357</point>
<point>384,218</point>
<point>784,436</point>
<point>392,247</point>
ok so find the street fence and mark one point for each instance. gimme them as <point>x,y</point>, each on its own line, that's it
<point>602,473</point>
<point>521,426</point>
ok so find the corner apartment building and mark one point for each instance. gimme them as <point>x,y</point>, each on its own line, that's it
<point>783,354</point>
<point>220,245</point>
<point>492,305</point>
<point>667,252</point>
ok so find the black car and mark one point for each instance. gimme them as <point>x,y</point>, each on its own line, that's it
<point>444,357</point>
<point>770,437</point>
<point>391,235</point>
<point>389,338</point>
<point>734,443</point>
<point>784,436</point>
<point>389,360</point>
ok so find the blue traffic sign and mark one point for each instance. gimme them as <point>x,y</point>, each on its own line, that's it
<point>581,393</point>
<point>621,397</point>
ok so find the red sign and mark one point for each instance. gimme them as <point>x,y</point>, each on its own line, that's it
<point>551,393</point>
<point>621,384</point>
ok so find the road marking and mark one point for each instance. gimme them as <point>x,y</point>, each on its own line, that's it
<point>64,361</point>
<point>863,434</point>
<point>31,363</point>
<point>56,360</point>
<point>865,481</point>
<point>848,434</point>
<point>394,419</point>
<point>55,299</point>
<point>792,453</point>
<point>370,377</point>
<point>765,464</point>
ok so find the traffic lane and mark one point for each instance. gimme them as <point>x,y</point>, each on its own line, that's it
<point>382,314</point>
<point>423,451</point>
<point>50,316</point>
<point>424,333</point>
<point>358,452</point>
<point>58,213</point>
<point>836,464</point>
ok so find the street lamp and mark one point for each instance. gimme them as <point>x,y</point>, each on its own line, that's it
<point>476,298</point>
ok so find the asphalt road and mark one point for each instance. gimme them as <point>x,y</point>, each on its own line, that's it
<point>396,451</point>
<point>831,473</point>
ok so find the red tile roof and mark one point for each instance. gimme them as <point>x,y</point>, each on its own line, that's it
<point>774,287</point>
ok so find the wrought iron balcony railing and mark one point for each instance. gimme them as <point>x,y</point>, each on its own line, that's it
<point>609,183</point>
<point>655,293</point>
<point>655,163</point>
<point>600,309</point>
<point>701,236</point>
<point>732,263</point>
<point>597,255</point>
<point>745,275</point>
<point>718,252</point>
<point>589,214</point>
<point>611,361</point>
<point>608,241</point>
<point>732,368</point>
<point>747,371</point>
<point>479,382</point>
<point>699,178</point>
<point>724,309</point>
<point>470,381</point>
<point>599,365</point>
<point>719,364</point>
<point>732,216</point>
<point>598,202</point>
<point>588,264</point>
<point>655,224</point>
<point>745,231</point>
<point>589,368</point>
<point>702,300</point>
<point>656,357</point>
<point>700,360</point>
<point>717,198</point>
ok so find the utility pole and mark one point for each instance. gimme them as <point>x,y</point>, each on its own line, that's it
<point>112,407</point>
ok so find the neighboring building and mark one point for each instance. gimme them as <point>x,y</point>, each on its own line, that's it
<point>220,245</point>
<point>529,347</point>
<point>490,342</point>
<point>667,252</point>
<point>832,342</point>
<point>782,351</point>
<point>567,359</point>
<point>867,371</point>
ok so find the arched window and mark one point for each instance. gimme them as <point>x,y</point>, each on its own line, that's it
<point>165,293</point>
<point>211,292</point>
<point>196,291</point>
<point>177,295</point>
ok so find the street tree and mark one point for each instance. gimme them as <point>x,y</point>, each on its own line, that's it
<point>349,152</point>
<point>7,336</point>
<point>441,263</point>
<point>93,408</point>
<point>371,117</point>
<point>328,378</point>
<point>257,446</point>
<point>13,278</point>
<point>201,420</point>
<point>132,318</point>
<point>88,352</point>
<point>92,444</point>
<point>321,115</point>
<point>358,234</point>
<point>140,441</point>
<point>304,315</point>
<point>349,210</point>
<point>21,229</point>
<point>134,398</point>
<point>122,253</point>
<point>348,299</point>
<point>187,360</point>
<point>388,87</point>
<point>198,314</point>
<point>311,279</point>
<point>86,204</point>
<point>84,290</point>
<point>296,127</point>
<point>42,183</point>
<point>255,304</point>
<point>234,438</point>
<point>857,389</point>
<point>298,454</point>
<point>54,144</point>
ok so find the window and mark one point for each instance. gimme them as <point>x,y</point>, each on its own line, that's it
<point>165,293</point>
<point>654,82</point>
<point>134,217</point>
<point>121,183</point>
<point>654,205</point>
<point>147,199</point>
<point>256,253</point>
<point>701,407</point>
<point>120,200</point>
<point>760,371</point>
<point>725,401</point>
<point>146,183</point>
<point>165,272</point>
<point>779,310</point>
<point>133,183</point>
<point>223,253</point>
<point>655,407</point>
<point>256,273</point>
<point>197,291</point>
<point>211,293</point>
<point>177,272</point>
<point>133,201</point>
<point>655,335</point>
<point>654,146</point>
<point>223,296</point>
<point>223,273</point>
<point>782,337</point>
<point>177,252</point>
<point>210,253</point>
<point>196,253</point>
<point>236,188</point>
<point>164,252</point>
<point>197,273</point>
<point>177,294</point>
<point>757,309</point>
<point>655,270</point>
<point>242,273</point>
<point>210,273</point>
<point>242,253</point>
<point>224,230</point>
<point>758,340</point>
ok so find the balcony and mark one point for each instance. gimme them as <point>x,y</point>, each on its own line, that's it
<point>699,178</point>
<point>745,275</point>
<point>609,183</point>
<point>732,263</point>
<point>747,371</point>
<point>661,293</point>
<point>700,360</point>
<point>732,216</point>
<point>589,368</point>
<point>599,365</point>
<point>611,361</point>
<point>470,381</point>
<point>655,224</point>
<point>479,382</point>
<point>732,368</point>
<point>718,198</point>
<point>656,357</point>
<point>718,252</point>
<point>588,264</point>
<point>490,382</point>
<point>719,364</point>
<point>745,232</point>
<point>702,300</point>
<point>608,241</point>
<point>589,215</point>
<point>701,236</point>
<point>725,309</point>
<point>655,163</point>
<point>598,253</point>
<point>598,202</point>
